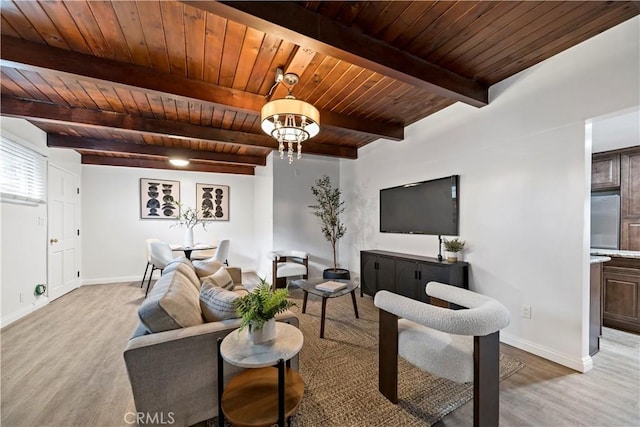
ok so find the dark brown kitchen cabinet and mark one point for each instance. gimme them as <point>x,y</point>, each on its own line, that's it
<point>621,294</point>
<point>407,274</point>
<point>605,171</point>
<point>630,200</point>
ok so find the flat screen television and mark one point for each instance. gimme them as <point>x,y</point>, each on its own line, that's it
<point>427,207</point>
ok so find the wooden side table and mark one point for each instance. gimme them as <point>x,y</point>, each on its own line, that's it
<point>264,394</point>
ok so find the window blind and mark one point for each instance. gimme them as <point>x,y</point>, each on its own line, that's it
<point>22,173</point>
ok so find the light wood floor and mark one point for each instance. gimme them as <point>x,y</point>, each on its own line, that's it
<point>62,366</point>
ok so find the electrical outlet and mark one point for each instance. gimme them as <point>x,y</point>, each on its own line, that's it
<point>526,311</point>
<point>21,297</point>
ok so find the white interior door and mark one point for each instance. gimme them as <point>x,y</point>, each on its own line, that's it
<point>62,200</point>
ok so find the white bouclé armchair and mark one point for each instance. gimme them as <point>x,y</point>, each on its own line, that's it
<point>460,345</point>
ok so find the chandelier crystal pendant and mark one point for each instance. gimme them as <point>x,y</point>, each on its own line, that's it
<point>289,120</point>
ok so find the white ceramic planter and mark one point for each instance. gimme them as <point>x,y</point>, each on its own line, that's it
<point>188,237</point>
<point>265,334</point>
<point>451,256</point>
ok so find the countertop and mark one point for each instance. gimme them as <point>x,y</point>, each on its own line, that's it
<point>598,259</point>
<point>615,253</point>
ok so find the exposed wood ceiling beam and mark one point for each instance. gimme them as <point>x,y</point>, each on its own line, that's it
<point>94,144</point>
<point>38,111</point>
<point>30,56</point>
<point>88,159</point>
<point>304,27</point>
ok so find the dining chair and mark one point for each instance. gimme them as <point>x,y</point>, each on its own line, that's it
<point>222,251</point>
<point>147,243</point>
<point>161,255</point>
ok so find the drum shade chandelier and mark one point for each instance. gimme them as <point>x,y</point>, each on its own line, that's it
<point>289,120</point>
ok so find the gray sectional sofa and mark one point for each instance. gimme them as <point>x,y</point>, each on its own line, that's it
<point>172,357</point>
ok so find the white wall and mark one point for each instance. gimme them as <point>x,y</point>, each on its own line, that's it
<point>113,234</point>
<point>294,225</point>
<point>263,214</point>
<point>524,187</point>
<point>23,230</point>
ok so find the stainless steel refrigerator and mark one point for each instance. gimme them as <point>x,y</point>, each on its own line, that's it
<point>605,221</point>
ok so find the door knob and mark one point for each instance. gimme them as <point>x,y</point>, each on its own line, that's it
<point>52,241</point>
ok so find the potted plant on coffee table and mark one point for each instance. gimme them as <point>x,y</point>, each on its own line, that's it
<point>259,308</point>
<point>328,208</point>
<point>453,248</point>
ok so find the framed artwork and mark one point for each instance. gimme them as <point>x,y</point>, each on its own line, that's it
<point>215,198</point>
<point>156,196</point>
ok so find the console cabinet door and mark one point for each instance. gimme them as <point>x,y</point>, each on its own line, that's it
<point>430,273</point>
<point>368,273</point>
<point>605,171</point>
<point>407,278</point>
<point>386,274</point>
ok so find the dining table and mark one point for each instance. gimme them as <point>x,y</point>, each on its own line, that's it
<point>188,249</point>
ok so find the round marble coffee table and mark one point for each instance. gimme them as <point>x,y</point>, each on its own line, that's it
<point>262,395</point>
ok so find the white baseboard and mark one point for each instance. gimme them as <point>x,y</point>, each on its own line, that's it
<point>581,365</point>
<point>105,280</point>
<point>121,279</point>
<point>10,318</point>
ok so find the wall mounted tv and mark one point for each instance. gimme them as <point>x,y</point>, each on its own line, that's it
<point>428,207</point>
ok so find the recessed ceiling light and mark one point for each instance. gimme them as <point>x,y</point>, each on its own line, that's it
<point>179,162</point>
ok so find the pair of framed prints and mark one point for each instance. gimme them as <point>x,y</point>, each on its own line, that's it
<point>157,197</point>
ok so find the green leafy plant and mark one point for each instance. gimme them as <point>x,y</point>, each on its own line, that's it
<point>189,217</point>
<point>328,207</point>
<point>261,305</point>
<point>454,245</point>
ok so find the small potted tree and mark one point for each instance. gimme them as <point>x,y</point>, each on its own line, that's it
<point>259,308</point>
<point>453,248</point>
<point>328,208</point>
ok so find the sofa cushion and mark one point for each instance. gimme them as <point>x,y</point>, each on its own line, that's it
<point>172,303</point>
<point>190,274</point>
<point>220,278</point>
<point>216,303</point>
<point>206,267</point>
<point>175,263</point>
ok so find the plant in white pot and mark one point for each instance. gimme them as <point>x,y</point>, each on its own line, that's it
<point>189,217</point>
<point>259,308</point>
<point>453,248</point>
<point>328,208</point>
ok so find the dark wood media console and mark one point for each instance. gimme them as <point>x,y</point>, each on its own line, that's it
<point>407,274</point>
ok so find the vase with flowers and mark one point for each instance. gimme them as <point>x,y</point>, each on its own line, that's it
<point>189,217</point>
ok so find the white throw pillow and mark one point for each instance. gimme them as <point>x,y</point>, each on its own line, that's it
<point>216,303</point>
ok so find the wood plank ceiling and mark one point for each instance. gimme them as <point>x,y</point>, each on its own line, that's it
<point>129,83</point>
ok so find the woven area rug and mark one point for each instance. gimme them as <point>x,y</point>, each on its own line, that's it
<point>340,373</point>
